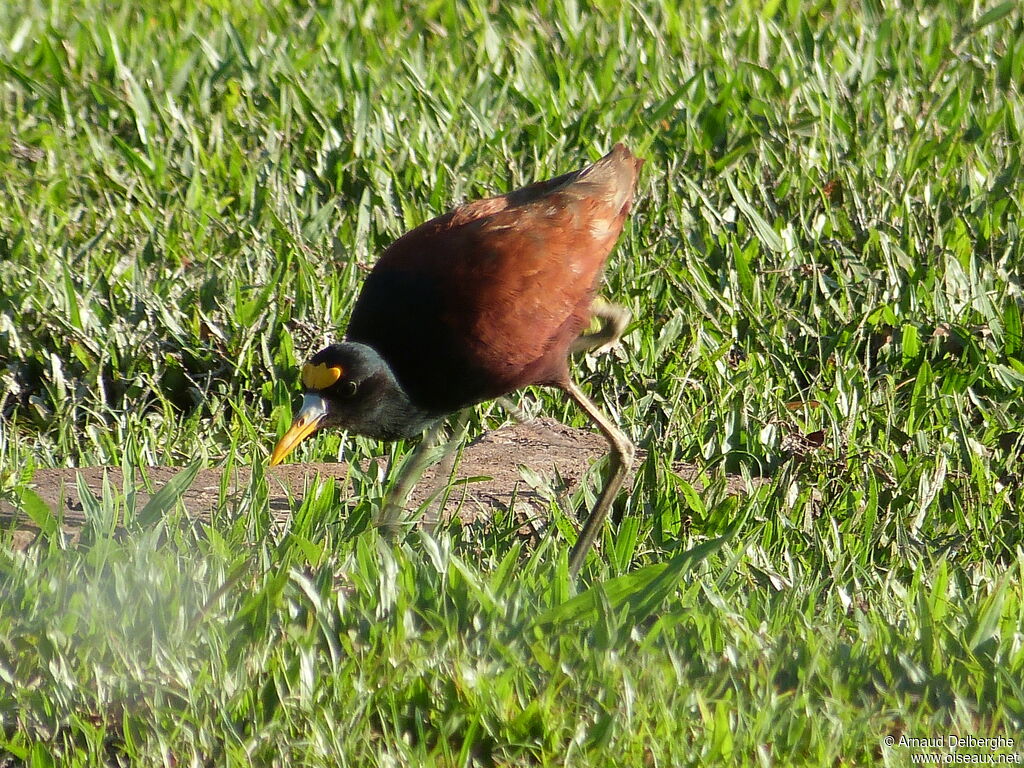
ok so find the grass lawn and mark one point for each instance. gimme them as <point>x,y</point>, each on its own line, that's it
<point>824,268</point>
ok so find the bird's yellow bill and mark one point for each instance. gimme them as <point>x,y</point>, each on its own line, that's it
<point>306,422</point>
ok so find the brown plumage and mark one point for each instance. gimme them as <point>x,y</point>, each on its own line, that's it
<point>486,299</point>
<point>496,290</point>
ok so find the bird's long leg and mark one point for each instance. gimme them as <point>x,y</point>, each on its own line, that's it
<point>514,409</point>
<point>620,460</point>
<point>614,319</point>
<point>445,465</point>
<point>412,470</point>
<point>394,504</point>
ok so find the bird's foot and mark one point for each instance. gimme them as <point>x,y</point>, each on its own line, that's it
<point>614,318</point>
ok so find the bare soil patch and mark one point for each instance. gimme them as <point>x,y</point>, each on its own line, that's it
<point>521,464</point>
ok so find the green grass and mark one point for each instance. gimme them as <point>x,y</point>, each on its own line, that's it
<point>825,272</point>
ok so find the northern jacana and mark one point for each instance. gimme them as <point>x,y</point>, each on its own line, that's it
<point>484,300</point>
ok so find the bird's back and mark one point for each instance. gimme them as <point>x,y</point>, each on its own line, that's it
<point>486,298</point>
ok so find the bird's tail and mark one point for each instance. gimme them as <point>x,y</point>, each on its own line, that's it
<point>613,178</point>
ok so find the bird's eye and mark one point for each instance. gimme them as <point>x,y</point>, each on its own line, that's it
<point>349,388</point>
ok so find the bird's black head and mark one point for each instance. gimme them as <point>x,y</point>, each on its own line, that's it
<point>349,385</point>
<point>344,373</point>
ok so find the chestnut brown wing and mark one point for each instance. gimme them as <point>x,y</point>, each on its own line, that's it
<point>487,298</point>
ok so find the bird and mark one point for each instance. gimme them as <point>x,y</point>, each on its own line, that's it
<point>486,299</point>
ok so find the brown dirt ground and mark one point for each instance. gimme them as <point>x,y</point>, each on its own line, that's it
<point>495,461</point>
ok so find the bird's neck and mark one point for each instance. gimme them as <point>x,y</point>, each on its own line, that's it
<point>400,418</point>
<point>392,414</point>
